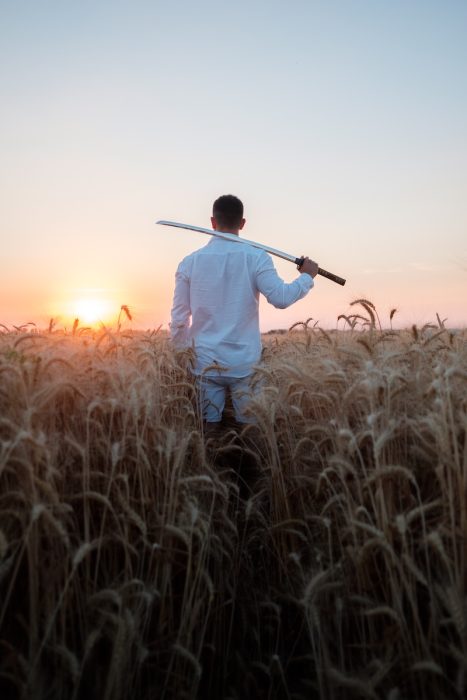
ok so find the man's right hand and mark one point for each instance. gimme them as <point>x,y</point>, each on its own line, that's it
<point>308,266</point>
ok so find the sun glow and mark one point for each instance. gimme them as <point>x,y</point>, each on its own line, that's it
<point>92,311</point>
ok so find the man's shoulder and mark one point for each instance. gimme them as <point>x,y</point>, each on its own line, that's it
<point>198,251</point>
<point>187,262</point>
<point>260,256</point>
<point>193,254</point>
<point>263,259</point>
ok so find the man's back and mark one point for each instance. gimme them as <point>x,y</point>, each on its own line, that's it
<point>219,287</point>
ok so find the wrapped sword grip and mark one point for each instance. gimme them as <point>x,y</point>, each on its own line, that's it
<point>324,273</point>
<point>330,276</point>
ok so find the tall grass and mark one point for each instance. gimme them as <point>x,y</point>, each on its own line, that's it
<point>131,568</point>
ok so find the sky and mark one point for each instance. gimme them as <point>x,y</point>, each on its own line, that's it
<point>342,126</point>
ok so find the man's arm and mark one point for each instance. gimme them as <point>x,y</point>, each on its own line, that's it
<point>181,311</point>
<point>279,293</point>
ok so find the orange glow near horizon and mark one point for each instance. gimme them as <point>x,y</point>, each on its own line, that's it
<point>91,306</point>
<point>93,311</point>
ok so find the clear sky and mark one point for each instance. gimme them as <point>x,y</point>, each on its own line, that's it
<point>342,125</point>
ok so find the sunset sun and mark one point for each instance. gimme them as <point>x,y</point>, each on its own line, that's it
<point>91,311</point>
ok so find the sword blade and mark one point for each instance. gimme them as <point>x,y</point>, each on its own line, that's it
<point>255,244</point>
<point>234,238</point>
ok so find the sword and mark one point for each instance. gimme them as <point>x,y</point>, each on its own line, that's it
<point>261,246</point>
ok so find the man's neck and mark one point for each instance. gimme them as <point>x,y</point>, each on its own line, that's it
<point>234,232</point>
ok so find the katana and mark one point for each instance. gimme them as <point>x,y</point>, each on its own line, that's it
<point>238,239</point>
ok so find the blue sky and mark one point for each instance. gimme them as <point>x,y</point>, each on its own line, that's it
<point>341,125</point>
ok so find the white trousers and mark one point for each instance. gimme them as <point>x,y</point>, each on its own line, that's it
<point>212,393</point>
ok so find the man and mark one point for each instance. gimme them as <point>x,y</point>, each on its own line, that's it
<point>218,286</point>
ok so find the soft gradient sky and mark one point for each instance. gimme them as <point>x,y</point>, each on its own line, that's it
<point>342,126</point>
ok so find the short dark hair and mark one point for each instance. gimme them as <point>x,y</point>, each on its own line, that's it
<point>228,211</point>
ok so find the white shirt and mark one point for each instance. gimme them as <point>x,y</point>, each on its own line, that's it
<point>219,287</point>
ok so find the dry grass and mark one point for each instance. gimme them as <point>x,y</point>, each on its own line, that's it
<point>129,567</point>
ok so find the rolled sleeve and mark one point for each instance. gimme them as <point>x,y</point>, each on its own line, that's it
<point>279,293</point>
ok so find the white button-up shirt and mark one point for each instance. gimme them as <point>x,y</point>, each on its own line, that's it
<point>218,286</point>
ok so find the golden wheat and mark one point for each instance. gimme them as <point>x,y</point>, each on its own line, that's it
<point>136,563</point>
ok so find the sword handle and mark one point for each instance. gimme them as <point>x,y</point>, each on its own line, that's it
<point>324,273</point>
<point>330,276</point>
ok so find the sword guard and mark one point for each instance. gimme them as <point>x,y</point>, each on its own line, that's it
<point>299,262</point>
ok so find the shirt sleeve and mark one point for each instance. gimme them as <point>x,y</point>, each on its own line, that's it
<point>181,311</point>
<point>279,293</point>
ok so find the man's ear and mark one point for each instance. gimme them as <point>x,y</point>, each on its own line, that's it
<point>242,224</point>
<point>214,223</point>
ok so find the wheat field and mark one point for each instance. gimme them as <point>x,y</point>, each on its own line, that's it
<point>135,562</point>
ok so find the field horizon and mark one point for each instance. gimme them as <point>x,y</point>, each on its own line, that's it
<point>125,321</point>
